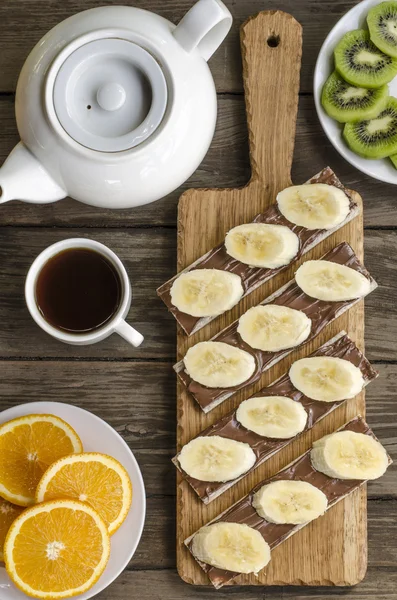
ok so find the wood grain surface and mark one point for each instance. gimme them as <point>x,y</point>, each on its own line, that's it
<point>225,165</point>
<point>134,390</point>
<point>24,22</point>
<point>271,48</point>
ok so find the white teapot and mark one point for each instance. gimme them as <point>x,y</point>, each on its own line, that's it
<point>115,106</point>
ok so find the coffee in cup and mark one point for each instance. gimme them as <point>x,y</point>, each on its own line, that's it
<point>79,292</point>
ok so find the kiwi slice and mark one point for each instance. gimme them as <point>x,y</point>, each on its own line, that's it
<point>374,138</point>
<point>382,24</point>
<point>393,158</point>
<point>361,63</point>
<point>345,102</point>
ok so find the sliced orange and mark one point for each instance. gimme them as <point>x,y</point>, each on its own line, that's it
<point>28,446</point>
<point>8,513</point>
<point>97,479</point>
<point>57,549</point>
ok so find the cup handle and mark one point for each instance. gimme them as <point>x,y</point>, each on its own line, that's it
<point>204,27</point>
<point>131,335</point>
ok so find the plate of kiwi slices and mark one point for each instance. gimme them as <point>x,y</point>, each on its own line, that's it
<point>355,88</point>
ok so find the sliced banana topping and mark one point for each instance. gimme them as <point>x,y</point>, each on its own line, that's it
<point>292,502</point>
<point>272,328</point>
<point>215,458</point>
<point>272,416</point>
<point>218,365</point>
<point>206,292</point>
<point>262,245</point>
<point>349,455</point>
<point>231,546</point>
<point>314,206</point>
<point>326,378</point>
<point>329,281</point>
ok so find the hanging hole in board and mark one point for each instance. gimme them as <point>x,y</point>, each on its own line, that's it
<point>89,107</point>
<point>273,41</point>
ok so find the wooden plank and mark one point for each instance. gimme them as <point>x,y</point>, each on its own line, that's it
<point>226,165</point>
<point>380,583</point>
<point>133,397</point>
<point>157,551</point>
<point>149,256</point>
<point>383,266</point>
<point>229,147</point>
<point>17,36</point>
<point>157,547</point>
<point>137,399</point>
<point>382,533</point>
<point>337,540</point>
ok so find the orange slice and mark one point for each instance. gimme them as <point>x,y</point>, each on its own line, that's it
<point>97,479</point>
<point>57,549</point>
<point>28,446</point>
<point>8,513</point>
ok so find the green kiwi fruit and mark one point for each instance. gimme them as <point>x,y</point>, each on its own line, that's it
<point>382,25</point>
<point>374,138</point>
<point>345,102</point>
<point>393,158</point>
<point>361,63</point>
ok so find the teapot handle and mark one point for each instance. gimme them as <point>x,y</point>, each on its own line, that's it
<point>204,27</point>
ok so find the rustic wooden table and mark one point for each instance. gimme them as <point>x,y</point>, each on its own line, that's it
<point>134,390</point>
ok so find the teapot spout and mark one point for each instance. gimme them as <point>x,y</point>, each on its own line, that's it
<point>22,177</point>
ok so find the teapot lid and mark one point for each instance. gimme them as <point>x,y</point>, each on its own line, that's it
<point>110,95</point>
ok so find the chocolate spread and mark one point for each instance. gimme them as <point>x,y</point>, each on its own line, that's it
<point>320,312</point>
<point>274,534</point>
<point>263,447</point>
<point>253,277</point>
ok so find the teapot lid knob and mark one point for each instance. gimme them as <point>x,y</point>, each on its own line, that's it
<point>109,95</point>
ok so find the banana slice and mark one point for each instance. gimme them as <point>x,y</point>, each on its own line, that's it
<point>326,378</point>
<point>262,245</point>
<point>272,416</point>
<point>206,292</point>
<point>314,206</point>
<point>215,458</point>
<point>218,365</point>
<point>349,455</point>
<point>292,502</point>
<point>232,546</point>
<point>272,328</point>
<point>326,280</point>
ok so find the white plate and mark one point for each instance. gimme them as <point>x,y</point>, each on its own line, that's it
<point>381,169</point>
<point>97,436</point>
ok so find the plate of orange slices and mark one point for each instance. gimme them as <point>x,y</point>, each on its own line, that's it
<point>72,503</point>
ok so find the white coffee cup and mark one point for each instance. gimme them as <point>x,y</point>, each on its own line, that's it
<point>116,324</point>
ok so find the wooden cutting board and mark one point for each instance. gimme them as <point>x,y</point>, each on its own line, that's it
<point>331,550</point>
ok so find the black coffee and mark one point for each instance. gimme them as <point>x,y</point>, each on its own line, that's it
<point>78,290</point>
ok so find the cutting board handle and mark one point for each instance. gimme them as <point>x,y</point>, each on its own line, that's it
<point>271,44</point>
